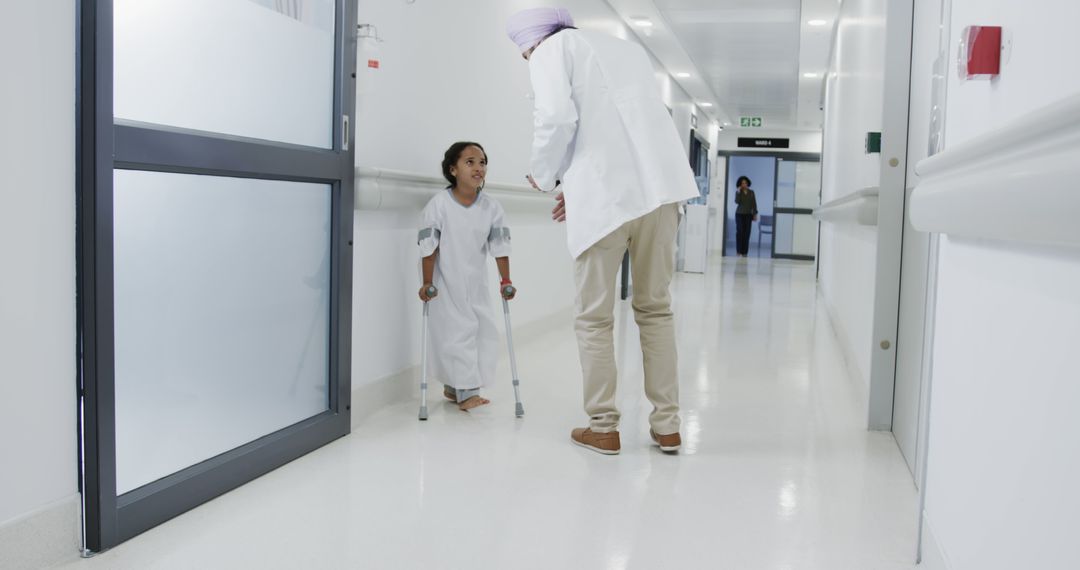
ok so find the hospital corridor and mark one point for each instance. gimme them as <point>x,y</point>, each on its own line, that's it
<point>777,469</point>
<point>537,284</point>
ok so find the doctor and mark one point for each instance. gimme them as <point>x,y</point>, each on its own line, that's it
<point>605,138</point>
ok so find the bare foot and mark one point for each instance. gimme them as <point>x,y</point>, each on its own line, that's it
<point>474,402</point>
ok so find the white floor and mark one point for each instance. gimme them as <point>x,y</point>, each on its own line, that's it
<point>757,249</point>
<point>777,470</point>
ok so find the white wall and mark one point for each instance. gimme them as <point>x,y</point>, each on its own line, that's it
<point>448,75</point>
<point>37,249</point>
<point>1003,463</point>
<point>853,107</point>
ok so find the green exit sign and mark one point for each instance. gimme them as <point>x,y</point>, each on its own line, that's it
<point>749,121</point>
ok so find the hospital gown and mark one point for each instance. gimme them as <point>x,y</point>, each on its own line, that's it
<point>463,337</point>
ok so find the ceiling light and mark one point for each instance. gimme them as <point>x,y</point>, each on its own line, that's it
<point>706,105</point>
<point>818,22</point>
<point>809,75</point>
<point>642,22</point>
<point>682,75</point>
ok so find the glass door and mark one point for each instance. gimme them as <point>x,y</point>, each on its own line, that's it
<point>798,192</point>
<point>215,234</point>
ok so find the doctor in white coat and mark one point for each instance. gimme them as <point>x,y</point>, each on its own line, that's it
<point>604,136</point>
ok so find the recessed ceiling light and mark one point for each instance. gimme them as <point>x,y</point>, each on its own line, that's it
<point>705,104</point>
<point>809,75</point>
<point>682,75</point>
<point>818,22</point>
<point>642,22</point>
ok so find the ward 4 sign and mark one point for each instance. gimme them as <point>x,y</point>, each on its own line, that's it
<point>749,121</point>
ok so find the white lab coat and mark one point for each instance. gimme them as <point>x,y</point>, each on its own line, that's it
<point>463,338</point>
<point>603,130</point>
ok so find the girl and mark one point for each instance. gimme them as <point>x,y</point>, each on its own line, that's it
<point>461,227</point>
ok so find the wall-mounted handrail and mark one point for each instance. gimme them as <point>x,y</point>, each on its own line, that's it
<point>384,189</point>
<point>859,207</point>
<point>1020,182</point>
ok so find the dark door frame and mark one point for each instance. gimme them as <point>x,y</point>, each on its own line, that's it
<point>103,146</point>
<point>728,154</point>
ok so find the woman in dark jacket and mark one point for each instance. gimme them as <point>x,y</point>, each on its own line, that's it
<point>745,213</point>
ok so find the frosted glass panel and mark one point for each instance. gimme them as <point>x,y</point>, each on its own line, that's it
<point>798,184</point>
<point>807,184</point>
<point>222,315</point>
<point>796,234</point>
<point>805,240</point>
<point>253,68</point>
<point>785,183</point>
<point>783,233</point>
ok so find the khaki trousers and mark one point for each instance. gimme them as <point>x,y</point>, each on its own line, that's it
<point>651,241</point>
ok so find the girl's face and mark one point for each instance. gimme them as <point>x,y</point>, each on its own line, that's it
<point>470,169</point>
<point>743,185</point>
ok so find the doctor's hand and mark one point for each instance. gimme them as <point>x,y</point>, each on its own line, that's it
<point>559,213</point>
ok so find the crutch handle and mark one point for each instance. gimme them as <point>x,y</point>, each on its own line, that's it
<point>509,290</point>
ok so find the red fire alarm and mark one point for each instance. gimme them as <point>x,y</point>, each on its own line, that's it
<point>980,52</point>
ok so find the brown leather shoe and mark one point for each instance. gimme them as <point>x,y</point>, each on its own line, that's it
<point>670,442</point>
<point>606,443</point>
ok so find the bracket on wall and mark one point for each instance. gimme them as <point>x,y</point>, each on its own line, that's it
<point>368,31</point>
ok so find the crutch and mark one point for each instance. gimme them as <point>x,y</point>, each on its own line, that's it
<point>431,293</point>
<point>519,410</point>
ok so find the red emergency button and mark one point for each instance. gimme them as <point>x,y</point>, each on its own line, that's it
<point>980,52</point>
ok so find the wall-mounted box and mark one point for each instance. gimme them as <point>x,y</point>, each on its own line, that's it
<point>873,143</point>
<point>980,52</point>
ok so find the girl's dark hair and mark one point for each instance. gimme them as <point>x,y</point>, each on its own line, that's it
<point>451,157</point>
<point>738,182</point>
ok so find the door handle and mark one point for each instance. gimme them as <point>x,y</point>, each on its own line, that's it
<point>344,132</point>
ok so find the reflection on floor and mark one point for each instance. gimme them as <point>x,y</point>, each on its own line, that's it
<point>777,471</point>
<point>762,250</point>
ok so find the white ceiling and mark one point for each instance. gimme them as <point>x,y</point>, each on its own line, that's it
<point>748,57</point>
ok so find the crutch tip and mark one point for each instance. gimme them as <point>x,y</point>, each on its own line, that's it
<point>519,410</point>
<point>423,413</point>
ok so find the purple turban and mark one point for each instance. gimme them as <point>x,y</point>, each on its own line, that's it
<point>528,27</point>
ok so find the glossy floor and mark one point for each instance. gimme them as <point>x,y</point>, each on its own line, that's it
<point>777,470</point>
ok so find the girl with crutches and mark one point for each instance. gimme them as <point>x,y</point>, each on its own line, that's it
<point>462,226</point>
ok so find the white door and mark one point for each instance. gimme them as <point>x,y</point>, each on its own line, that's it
<point>909,341</point>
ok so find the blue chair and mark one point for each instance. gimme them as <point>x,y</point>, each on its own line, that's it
<point>765,226</point>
